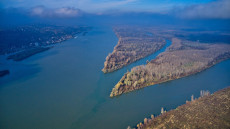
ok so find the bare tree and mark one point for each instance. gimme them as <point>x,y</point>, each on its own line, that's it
<point>204,93</point>
<point>192,98</point>
<point>162,110</point>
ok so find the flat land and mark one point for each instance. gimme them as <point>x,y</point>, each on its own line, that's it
<point>181,59</point>
<point>134,44</point>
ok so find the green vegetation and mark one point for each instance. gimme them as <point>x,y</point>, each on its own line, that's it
<point>207,112</point>
<point>181,59</point>
<point>133,44</point>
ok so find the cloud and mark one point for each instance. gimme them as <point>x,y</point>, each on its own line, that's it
<point>90,6</point>
<point>56,12</point>
<point>102,5</point>
<point>219,9</point>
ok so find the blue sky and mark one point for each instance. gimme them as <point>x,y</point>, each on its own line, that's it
<point>104,5</point>
<point>70,8</point>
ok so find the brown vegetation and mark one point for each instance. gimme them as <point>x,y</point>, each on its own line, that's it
<point>181,59</point>
<point>133,44</point>
<point>207,112</point>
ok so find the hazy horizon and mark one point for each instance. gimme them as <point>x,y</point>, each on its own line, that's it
<point>194,13</point>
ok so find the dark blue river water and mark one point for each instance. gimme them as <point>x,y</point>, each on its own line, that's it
<point>64,88</point>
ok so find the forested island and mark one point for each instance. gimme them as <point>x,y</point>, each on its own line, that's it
<point>181,59</point>
<point>208,111</point>
<point>134,43</point>
<point>24,41</point>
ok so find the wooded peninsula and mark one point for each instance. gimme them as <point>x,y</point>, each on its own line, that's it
<point>133,44</point>
<point>181,59</point>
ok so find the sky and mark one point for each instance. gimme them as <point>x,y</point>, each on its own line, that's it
<point>103,5</point>
<point>182,8</point>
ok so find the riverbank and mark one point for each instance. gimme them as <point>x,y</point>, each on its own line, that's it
<point>208,111</point>
<point>182,58</point>
<point>134,44</point>
<point>27,53</point>
<point>51,91</point>
<point>22,42</point>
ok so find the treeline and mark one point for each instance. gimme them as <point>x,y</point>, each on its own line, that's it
<point>133,45</point>
<point>180,59</point>
<point>207,111</point>
<point>25,37</point>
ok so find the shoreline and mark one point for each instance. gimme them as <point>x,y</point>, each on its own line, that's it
<point>132,45</point>
<point>154,83</point>
<point>188,116</point>
<point>126,85</point>
<point>27,53</point>
<point>24,54</point>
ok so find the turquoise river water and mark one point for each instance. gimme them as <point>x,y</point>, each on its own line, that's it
<point>64,88</point>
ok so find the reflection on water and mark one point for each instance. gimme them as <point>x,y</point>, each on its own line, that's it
<point>65,88</point>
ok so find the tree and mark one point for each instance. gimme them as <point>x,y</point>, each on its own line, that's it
<point>192,98</point>
<point>204,93</point>
<point>152,117</point>
<point>145,121</point>
<point>128,127</point>
<point>162,110</point>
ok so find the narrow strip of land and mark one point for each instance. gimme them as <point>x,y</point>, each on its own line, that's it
<point>181,59</point>
<point>24,41</point>
<point>27,53</point>
<point>133,44</point>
